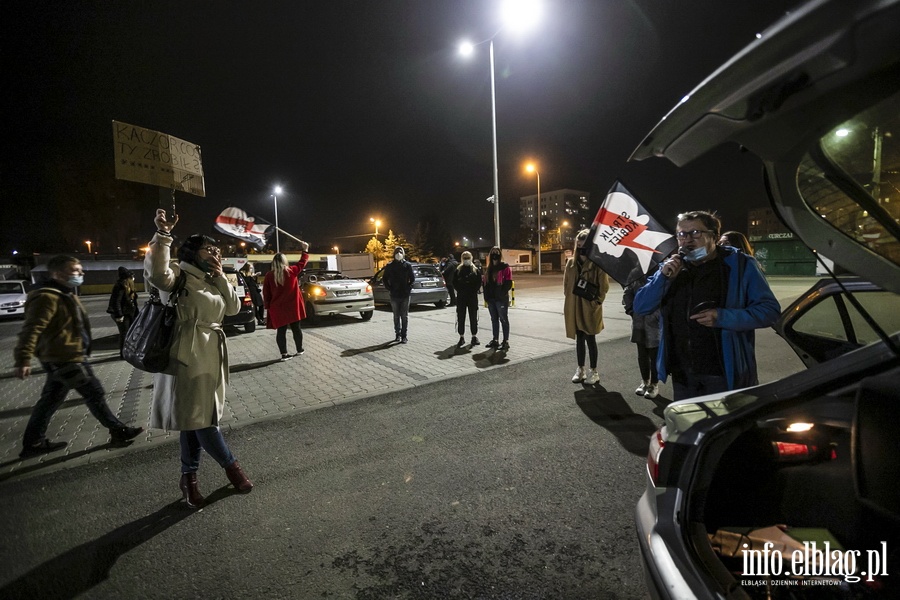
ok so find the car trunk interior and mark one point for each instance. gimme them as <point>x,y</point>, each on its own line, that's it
<point>837,482</point>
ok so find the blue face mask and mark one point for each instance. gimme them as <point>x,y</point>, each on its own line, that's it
<point>697,254</point>
<point>76,280</point>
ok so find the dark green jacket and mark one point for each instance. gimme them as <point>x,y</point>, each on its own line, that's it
<point>56,327</point>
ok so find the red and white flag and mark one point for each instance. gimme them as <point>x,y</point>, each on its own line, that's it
<point>625,241</point>
<point>236,223</point>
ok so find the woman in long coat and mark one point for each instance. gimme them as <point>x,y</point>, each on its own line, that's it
<point>190,395</point>
<point>583,317</point>
<point>284,302</point>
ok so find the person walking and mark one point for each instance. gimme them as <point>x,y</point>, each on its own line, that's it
<point>711,300</point>
<point>583,316</point>
<point>644,334</point>
<point>398,279</point>
<point>466,280</point>
<point>284,301</point>
<point>189,395</point>
<point>256,297</point>
<point>497,283</point>
<point>447,270</point>
<point>123,304</point>
<point>58,331</point>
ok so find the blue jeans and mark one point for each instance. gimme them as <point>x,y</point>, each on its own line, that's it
<point>499,317</point>
<point>54,393</point>
<point>209,439</point>
<point>400,307</point>
<point>691,386</point>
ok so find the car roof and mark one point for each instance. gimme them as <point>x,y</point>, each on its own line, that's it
<point>822,45</point>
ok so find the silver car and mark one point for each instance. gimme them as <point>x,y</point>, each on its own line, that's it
<point>12,297</point>
<point>331,293</point>
<point>428,288</point>
<point>792,489</point>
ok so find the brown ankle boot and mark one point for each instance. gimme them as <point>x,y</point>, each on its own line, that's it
<point>238,478</point>
<point>191,490</point>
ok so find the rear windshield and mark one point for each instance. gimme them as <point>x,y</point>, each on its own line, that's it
<point>426,271</point>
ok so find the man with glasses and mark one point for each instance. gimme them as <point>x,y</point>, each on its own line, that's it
<point>711,300</point>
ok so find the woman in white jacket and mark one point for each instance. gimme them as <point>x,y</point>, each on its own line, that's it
<point>190,395</point>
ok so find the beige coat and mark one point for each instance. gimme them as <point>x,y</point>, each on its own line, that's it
<point>190,394</point>
<point>581,314</point>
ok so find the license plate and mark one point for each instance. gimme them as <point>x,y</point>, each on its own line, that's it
<point>345,293</point>
<point>429,284</point>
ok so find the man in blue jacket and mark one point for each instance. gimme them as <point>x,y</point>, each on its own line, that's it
<point>711,300</point>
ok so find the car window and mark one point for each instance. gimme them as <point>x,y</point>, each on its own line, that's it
<point>865,151</point>
<point>427,272</point>
<point>11,287</point>
<point>837,319</point>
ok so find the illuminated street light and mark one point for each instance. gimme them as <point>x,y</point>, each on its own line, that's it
<point>377,223</point>
<point>276,191</point>
<point>532,169</point>
<point>88,242</point>
<point>517,14</point>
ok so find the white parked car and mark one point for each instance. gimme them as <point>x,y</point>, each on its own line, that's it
<point>12,297</point>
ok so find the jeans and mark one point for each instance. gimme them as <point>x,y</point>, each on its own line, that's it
<point>209,439</point>
<point>54,393</point>
<point>691,386</point>
<point>499,309</point>
<point>581,340</point>
<point>400,307</point>
<point>281,337</point>
<point>464,305</point>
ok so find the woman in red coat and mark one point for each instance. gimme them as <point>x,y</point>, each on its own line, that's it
<point>284,301</point>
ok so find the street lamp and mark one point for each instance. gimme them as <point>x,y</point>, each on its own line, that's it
<point>532,169</point>
<point>276,191</point>
<point>88,242</point>
<point>559,233</point>
<point>377,223</point>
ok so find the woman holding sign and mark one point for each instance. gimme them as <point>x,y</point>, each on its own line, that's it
<point>585,286</point>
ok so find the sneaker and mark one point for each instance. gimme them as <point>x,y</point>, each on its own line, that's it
<point>493,344</point>
<point>299,352</point>
<point>45,446</point>
<point>652,391</point>
<point>285,357</point>
<point>475,341</point>
<point>578,377</point>
<point>397,339</point>
<point>592,377</point>
<point>642,388</point>
<point>403,340</point>
<point>124,434</point>
<point>504,346</point>
<point>461,342</point>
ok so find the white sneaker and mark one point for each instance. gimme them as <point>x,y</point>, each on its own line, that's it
<point>592,377</point>
<point>578,377</point>
<point>642,388</point>
<point>652,390</point>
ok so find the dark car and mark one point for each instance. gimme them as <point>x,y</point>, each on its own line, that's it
<point>428,288</point>
<point>245,317</point>
<point>332,293</point>
<point>790,489</point>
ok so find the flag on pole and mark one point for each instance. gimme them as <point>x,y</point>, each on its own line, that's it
<point>625,241</point>
<point>236,223</point>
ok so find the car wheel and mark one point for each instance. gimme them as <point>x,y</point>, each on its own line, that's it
<point>311,316</point>
<point>367,315</point>
<point>441,303</point>
<point>250,327</point>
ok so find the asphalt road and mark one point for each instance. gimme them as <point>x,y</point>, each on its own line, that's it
<point>510,482</point>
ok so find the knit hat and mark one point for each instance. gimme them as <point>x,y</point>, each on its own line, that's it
<point>125,273</point>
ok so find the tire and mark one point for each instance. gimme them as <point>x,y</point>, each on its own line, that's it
<point>441,303</point>
<point>251,326</point>
<point>311,316</point>
<point>367,315</point>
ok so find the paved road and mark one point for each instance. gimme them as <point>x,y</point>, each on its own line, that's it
<point>502,482</point>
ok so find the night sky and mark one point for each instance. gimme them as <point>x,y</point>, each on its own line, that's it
<point>364,108</point>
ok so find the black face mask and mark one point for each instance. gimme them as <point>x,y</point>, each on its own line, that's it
<point>495,257</point>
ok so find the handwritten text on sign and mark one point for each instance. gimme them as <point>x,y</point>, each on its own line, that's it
<point>148,156</point>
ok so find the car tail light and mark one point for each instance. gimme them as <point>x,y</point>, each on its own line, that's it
<point>368,289</point>
<point>317,291</point>
<point>657,443</point>
<point>248,301</point>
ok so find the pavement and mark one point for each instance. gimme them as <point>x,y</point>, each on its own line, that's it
<point>345,360</point>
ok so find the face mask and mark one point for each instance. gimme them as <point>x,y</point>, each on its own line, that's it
<point>76,280</point>
<point>467,262</point>
<point>203,266</point>
<point>495,257</point>
<point>398,256</point>
<point>696,255</point>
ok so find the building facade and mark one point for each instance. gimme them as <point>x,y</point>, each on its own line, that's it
<point>563,213</point>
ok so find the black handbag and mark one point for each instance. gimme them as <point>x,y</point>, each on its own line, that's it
<point>584,288</point>
<point>149,338</point>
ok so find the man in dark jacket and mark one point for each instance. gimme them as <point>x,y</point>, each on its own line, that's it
<point>448,270</point>
<point>398,279</point>
<point>467,282</point>
<point>58,331</point>
<point>123,304</point>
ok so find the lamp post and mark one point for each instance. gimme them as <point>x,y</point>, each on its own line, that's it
<point>377,223</point>
<point>276,191</point>
<point>532,169</point>
<point>88,242</point>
